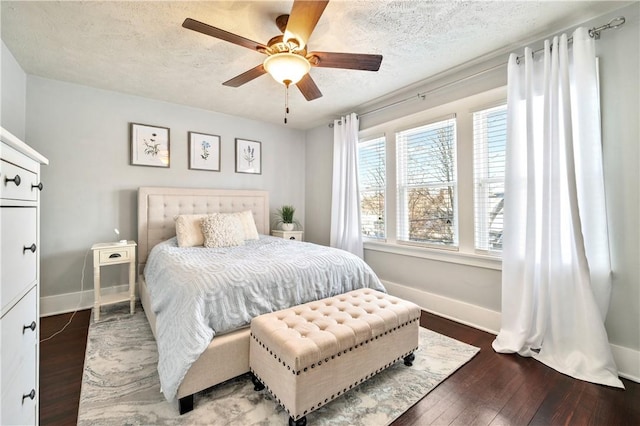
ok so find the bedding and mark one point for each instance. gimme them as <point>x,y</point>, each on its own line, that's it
<point>197,292</point>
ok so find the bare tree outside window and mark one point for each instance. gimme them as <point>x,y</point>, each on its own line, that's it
<point>427,193</point>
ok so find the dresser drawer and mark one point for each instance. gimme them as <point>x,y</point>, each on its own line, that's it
<point>18,265</point>
<point>16,183</point>
<point>19,362</point>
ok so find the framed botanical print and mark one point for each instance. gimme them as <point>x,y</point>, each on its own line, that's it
<point>149,145</point>
<point>248,156</point>
<point>204,152</point>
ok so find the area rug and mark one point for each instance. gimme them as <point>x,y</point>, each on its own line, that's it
<point>120,384</point>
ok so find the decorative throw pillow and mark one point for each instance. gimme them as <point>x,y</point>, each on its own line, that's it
<point>222,230</point>
<point>188,230</point>
<point>248,225</point>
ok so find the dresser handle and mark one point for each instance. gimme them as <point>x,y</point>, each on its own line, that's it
<point>292,238</point>
<point>115,256</point>
<point>39,186</point>
<point>32,248</point>
<point>15,180</point>
<point>31,395</point>
<point>31,326</point>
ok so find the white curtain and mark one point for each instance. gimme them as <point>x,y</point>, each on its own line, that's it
<point>345,199</point>
<point>556,266</point>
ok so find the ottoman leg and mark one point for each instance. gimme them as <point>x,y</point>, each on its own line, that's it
<point>302,421</point>
<point>408,360</point>
<point>257,384</point>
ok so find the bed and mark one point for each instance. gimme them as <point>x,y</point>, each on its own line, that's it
<point>227,355</point>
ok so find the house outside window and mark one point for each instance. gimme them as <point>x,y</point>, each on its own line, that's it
<point>372,182</point>
<point>489,141</point>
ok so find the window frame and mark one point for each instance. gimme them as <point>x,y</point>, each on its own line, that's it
<point>463,108</point>
<point>403,188</point>
<point>481,184</point>
<point>382,189</point>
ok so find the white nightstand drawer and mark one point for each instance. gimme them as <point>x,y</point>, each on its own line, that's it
<point>19,252</point>
<point>115,255</point>
<point>288,235</point>
<point>16,183</point>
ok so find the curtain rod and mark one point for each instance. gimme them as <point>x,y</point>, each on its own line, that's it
<point>594,32</point>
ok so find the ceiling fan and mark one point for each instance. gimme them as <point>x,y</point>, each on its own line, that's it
<point>287,60</point>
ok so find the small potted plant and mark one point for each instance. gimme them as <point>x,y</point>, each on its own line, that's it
<point>284,218</point>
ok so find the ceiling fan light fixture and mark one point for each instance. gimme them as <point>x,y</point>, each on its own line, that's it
<point>286,66</point>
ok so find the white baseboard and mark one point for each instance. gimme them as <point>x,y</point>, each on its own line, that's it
<point>465,313</point>
<point>627,360</point>
<point>70,302</point>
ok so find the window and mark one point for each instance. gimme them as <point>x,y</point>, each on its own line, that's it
<point>372,186</point>
<point>426,184</point>
<point>439,196</point>
<point>489,139</point>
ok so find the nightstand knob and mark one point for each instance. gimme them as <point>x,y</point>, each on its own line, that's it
<point>32,248</point>
<point>39,186</point>
<point>15,180</point>
<point>31,395</point>
<point>292,238</point>
<point>31,326</point>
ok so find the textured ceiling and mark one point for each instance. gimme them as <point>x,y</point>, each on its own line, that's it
<point>141,48</point>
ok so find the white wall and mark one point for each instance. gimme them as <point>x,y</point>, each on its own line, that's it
<point>90,188</point>
<point>13,89</point>
<point>473,294</point>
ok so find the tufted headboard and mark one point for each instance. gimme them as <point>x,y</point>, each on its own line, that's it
<point>157,208</point>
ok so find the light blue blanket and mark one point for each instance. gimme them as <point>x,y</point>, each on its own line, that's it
<point>199,292</point>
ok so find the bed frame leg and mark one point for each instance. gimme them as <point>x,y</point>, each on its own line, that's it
<point>185,404</point>
<point>408,360</point>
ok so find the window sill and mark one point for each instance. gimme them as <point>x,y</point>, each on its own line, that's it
<point>469,259</point>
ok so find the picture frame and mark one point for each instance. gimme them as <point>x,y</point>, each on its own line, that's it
<point>149,145</point>
<point>248,156</point>
<point>204,152</point>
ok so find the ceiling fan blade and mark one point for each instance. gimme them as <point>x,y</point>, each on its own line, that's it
<point>350,61</point>
<point>206,29</point>
<point>245,77</point>
<point>308,88</point>
<point>303,19</point>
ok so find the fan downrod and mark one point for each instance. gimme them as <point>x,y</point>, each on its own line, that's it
<point>281,22</point>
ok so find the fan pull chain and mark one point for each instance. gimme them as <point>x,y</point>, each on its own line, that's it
<point>286,99</point>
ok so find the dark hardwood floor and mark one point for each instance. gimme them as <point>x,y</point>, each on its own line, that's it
<point>492,389</point>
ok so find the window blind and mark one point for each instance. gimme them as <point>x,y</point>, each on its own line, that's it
<point>372,186</point>
<point>426,178</point>
<point>489,142</point>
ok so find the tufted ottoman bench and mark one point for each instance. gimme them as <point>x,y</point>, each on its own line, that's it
<point>310,354</point>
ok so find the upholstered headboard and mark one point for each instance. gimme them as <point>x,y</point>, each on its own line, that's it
<point>157,208</point>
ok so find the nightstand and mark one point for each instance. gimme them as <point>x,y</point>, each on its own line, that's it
<point>289,235</point>
<point>105,254</point>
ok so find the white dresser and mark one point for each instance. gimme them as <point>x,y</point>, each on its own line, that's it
<point>20,188</point>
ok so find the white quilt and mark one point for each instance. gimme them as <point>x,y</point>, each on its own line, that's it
<point>199,292</point>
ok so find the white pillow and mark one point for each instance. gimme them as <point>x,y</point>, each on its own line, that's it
<point>188,230</point>
<point>248,225</point>
<point>222,230</point>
